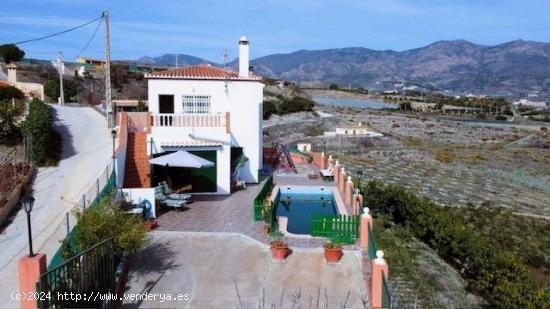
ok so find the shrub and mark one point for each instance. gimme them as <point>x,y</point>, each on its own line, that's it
<point>333,87</point>
<point>296,104</point>
<point>496,273</point>
<point>444,156</point>
<point>108,220</point>
<point>501,117</point>
<point>8,93</point>
<point>37,127</point>
<point>269,109</point>
<point>9,132</point>
<point>70,89</point>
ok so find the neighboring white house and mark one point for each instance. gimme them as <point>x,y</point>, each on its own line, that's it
<point>31,90</point>
<point>525,102</point>
<point>359,130</point>
<point>212,112</point>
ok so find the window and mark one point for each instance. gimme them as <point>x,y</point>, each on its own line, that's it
<point>166,104</point>
<point>196,104</point>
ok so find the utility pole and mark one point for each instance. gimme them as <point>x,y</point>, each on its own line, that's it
<point>60,67</point>
<point>108,102</point>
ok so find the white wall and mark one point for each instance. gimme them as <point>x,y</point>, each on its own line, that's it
<point>243,99</point>
<point>139,194</point>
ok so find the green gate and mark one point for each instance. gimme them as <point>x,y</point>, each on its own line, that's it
<point>89,276</point>
<point>343,229</point>
<point>259,200</point>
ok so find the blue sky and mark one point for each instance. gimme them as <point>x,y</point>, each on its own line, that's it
<point>206,28</point>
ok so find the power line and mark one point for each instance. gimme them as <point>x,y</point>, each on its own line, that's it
<point>61,32</point>
<point>92,37</point>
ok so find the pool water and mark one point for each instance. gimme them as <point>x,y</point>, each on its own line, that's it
<point>357,103</point>
<point>300,204</point>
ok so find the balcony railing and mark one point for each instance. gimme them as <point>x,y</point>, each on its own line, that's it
<point>188,120</point>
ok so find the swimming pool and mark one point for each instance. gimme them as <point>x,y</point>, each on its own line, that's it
<point>299,204</point>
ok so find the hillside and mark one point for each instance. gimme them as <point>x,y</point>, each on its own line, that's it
<point>511,69</point>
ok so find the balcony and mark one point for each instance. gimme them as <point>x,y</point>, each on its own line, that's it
<point>218,120</point>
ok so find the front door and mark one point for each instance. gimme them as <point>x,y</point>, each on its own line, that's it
<point>166,104</point>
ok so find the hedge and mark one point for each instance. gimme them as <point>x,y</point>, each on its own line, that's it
<point>37,128</point>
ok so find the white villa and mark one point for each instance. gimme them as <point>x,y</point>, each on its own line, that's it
<point>212,112</point>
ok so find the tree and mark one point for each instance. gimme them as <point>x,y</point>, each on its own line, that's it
<point>70,89</point>
<point>11,53</point>
<point>10,92</point>
<point>333,87</point>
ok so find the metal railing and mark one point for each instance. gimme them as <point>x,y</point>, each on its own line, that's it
<point>189,120</point>
<point>386,296</point>
<point>372,246</point>
<point>90,275</point>
<point>95,189</point>
<point>343,229</point>
<point>102,186</point>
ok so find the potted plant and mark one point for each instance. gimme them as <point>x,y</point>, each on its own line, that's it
<point>333,251</point>
<point>267,212</point>
<point>278,247</point>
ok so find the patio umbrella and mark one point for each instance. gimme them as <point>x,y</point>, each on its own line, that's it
<point>181,159</point>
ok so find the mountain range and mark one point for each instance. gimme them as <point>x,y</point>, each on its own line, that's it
<point>512,69</point>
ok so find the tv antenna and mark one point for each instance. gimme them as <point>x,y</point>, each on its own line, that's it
<point>226,57</point>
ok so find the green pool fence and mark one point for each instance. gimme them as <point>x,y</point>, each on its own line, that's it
<point>259,201</point>
<point>343,229</point>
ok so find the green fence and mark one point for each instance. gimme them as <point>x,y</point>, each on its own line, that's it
<point>90,275</point>
<point>259,201</point>
<point>340,228</point>
<point>386,297</point>
<point>372,245</point>
<point>58,258</point>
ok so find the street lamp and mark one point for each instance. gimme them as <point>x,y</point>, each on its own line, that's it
<point>28,202</point>
<point>113,134</point>
<point>359,176</point>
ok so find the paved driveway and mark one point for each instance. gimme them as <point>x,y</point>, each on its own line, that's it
<point>87,147</point>
<point>221,270</point>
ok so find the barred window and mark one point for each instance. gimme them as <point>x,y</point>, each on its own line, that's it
<point>196,104</point>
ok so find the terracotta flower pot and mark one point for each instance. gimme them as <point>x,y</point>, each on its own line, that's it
<point>151,224</point>
<point>333,254</point>
<point>279,250</point>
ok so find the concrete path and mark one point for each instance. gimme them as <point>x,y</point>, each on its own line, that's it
<point>227,270</point>
<point>87,148</point>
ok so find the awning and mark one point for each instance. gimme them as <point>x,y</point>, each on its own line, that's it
<point>181,159</point>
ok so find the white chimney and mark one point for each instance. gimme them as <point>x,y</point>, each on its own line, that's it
<point>12,73</point>
<point>243,57</point>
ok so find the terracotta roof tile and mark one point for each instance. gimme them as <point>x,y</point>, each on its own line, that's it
<point>4,84</point>
<point>201,71</point>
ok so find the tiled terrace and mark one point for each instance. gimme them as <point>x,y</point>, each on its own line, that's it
<point>233,213</point>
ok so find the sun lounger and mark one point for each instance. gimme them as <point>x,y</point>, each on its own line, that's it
<point>169,202</point>
<point>173,195</point>
<point>326,174</point>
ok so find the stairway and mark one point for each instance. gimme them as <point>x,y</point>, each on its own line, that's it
<point>137,168</point>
